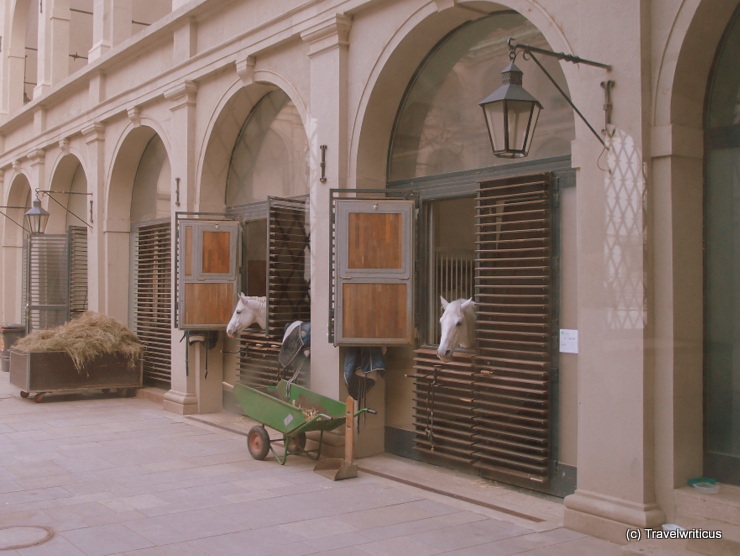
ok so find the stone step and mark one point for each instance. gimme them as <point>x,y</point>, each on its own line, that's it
<point>699,513</point>
<point>723,507</point>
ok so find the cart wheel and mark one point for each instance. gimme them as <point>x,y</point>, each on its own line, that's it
<point>297,442</point>
<point>24,394</point>
<point>258,442</point>
<point>38,397</point>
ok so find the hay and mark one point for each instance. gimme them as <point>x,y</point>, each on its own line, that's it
<point>88,336</point>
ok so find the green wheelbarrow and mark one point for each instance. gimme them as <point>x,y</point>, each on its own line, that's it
<point>292,411</point>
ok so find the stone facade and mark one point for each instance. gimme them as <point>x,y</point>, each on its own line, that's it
<point>108,76</point>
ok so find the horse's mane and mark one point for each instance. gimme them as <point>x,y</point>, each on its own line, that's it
<point>260,299</point>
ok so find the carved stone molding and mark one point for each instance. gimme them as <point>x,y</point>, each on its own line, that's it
<point>328,34</point>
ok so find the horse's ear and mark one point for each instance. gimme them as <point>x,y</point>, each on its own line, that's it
<point>242,296</point>
<point>445,303</point>
<point>468,303</point>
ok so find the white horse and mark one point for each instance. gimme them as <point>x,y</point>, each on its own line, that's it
<point>458,326</point>
<point>249,309</point>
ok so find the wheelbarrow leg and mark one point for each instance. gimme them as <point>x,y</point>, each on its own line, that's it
<point>337,468</point>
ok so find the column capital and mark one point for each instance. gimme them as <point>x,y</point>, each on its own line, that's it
<point>93,132</point>
<point>182,94</point>
<point>328,34</point>
<point>36,156</point>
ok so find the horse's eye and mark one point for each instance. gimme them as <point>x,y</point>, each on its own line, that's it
<point>459,323</point>
<point>238,311</point>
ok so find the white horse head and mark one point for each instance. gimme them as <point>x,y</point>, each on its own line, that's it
<point>249,309</point>
<point>458,326</point>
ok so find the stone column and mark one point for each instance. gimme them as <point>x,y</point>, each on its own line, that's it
<point>94,135</point>
<point>616,390</point>
<point>189,393</point>
<point>53,46</point>
<point>111,25</point>
<point>326,125</point>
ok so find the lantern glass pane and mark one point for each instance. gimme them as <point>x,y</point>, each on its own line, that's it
<point>522,118</point>
<point>494,113</point>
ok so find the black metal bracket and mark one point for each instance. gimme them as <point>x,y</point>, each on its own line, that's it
<point>528,52</point>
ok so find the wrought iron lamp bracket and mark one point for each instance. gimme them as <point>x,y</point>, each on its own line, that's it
<point>528,52</point>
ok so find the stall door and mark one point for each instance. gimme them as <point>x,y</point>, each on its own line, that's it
<point>207,273</point>
<point>489,410</point>
<point>374,270</point>
<point>286,269</point>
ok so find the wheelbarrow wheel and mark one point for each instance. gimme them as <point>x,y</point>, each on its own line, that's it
<point>258,442</point>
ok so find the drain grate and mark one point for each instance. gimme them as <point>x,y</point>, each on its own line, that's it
<point>15,537</point>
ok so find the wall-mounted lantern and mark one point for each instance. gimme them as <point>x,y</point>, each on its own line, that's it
<point>511,112</point>
<point>36,218</point>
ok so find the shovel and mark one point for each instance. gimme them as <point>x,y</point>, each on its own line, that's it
<point>337,469</point>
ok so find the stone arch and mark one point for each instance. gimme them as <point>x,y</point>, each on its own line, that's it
<point>127,155</point>
<point>401,56</point>
<point>223,131</point>
<point>682,73</point>
<point>116,248</point>
<point>68,175</point>
<point>20,195</point>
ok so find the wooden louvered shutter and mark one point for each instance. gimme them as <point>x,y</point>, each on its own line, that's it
<point>514,277</point>
<point>77,240</point>
<point>288,291</point>
<point>288,285</point>
<point>153,299</point>
<point>207,273</point>
<point>374,270</point>
<point>47,279</point>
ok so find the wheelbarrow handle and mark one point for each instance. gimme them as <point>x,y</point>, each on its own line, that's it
<point>366,409</point>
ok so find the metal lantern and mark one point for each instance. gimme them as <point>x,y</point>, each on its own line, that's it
<point>36,218</point>
<point>511,115</point>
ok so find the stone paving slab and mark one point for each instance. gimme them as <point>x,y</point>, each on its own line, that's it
<point>109,475</point>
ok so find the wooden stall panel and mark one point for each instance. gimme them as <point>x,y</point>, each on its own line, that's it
<point>208,303</point>
<point>207,273</point>
<point>375,241</point>
<point>216,252</point>
<point>375,310</point>
<point>373,245</point>
<point>188,254</point>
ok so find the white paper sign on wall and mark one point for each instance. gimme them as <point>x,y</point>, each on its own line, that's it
<point>568,341</point>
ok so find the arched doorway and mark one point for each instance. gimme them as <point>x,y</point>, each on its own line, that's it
<point>267,191</point>
<point>14,236</point>
<point>489,229</point>
<point>722,263</point>
<point>150,251</point>
<point>255,175</point>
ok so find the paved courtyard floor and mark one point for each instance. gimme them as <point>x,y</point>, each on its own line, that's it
<point>92,475</point>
